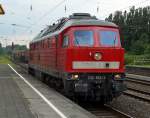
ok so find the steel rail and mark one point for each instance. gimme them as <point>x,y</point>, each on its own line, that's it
<point>105,110</point>
<point>138,95</point>
<point>139,81</point>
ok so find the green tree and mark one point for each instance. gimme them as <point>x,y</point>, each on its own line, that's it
<point>137,48</point>
<point>1,49</point>
<point>144,39</point>
<point>135,25</point>
<point>147,50</point>
<point>110,18</point>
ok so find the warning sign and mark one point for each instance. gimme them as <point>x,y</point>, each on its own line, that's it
<point>1,10</point>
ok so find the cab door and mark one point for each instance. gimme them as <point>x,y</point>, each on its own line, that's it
<point>63,44</point>
<point>52,53</point>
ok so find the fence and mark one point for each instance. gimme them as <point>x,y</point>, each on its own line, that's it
<point>141,60</point>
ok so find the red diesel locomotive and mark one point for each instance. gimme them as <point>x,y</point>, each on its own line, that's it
<point>82,55</point>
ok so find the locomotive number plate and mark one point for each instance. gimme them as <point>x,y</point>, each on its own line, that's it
<point>96,77</point>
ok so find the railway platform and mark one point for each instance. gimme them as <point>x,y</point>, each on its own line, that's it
<point>12,103</point>
<point>23,96</point>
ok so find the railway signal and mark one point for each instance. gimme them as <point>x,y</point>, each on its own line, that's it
<point>1,10</point>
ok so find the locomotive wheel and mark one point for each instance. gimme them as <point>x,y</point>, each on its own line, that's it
<point>31,71</point>
<point>44,80</point>
<point>69,88</point>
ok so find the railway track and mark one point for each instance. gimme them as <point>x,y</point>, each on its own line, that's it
<point>138,81</point>
<point>104,111</point>
<point>138,70</point>
<point>138,93</point>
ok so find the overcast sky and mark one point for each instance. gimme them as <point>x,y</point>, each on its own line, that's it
<point>44,12</point>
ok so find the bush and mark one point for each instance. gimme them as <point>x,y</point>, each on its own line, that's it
<point>138,48</point>
<point>147,50</point>
<point>129,59</point>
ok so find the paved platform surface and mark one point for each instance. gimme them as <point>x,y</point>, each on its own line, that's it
<point>20,101</point>
<point>12,101</point>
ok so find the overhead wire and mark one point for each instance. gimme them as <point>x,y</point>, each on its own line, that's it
<point>47,13</point>
<point>50,11</point>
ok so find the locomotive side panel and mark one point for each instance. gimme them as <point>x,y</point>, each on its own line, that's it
<point>43,56</point>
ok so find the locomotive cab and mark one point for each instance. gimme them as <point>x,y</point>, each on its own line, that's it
<point>94,62</point>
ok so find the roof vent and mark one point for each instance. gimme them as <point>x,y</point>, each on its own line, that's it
<point>81,16</point>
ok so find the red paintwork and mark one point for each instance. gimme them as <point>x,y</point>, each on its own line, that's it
<point>54,57</point>
<point>80,54</point>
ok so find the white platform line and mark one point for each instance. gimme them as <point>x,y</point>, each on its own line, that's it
<point>40,94</point>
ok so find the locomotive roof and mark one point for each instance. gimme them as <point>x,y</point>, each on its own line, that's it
<point>78,20</point>
<point>93,22</point>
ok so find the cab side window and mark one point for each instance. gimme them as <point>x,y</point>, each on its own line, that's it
<point>65,42</point>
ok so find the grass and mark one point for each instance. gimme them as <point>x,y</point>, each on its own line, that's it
<point>137,60</point>
<point>4,59</point>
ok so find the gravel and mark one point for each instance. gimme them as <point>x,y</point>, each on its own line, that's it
<point>141,87</point>
<point>132,106</point>
<point>145,71</point>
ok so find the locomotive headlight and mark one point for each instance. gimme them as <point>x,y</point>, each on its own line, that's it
<point>75,76</point>
<point>97,56</point>
<point>117,76</point>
